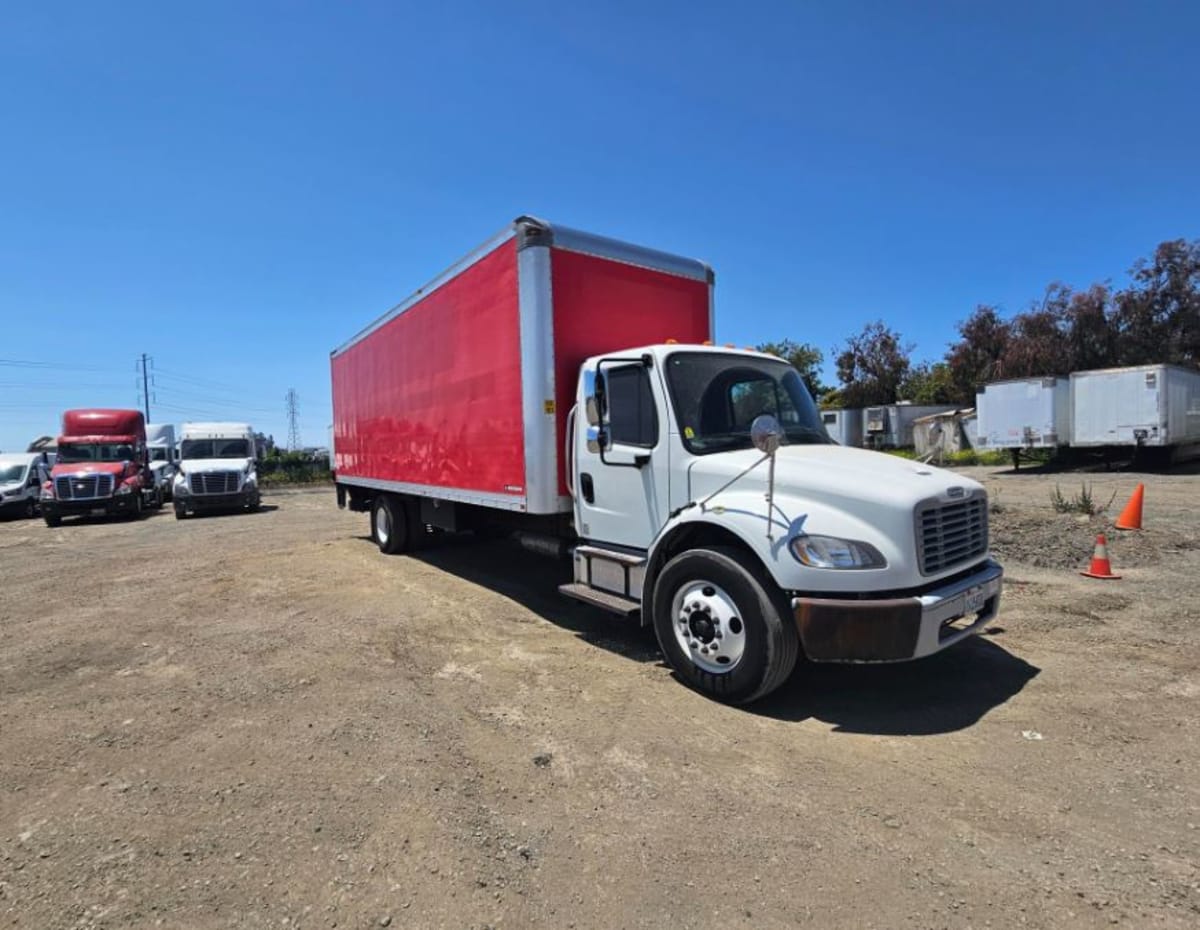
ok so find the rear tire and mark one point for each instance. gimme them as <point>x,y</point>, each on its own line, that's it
<point>389,524</point>
<point>723,625</point>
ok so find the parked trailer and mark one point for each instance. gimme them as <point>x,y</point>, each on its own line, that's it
<point>554,383</point>
<point>1151,406</point>
<point>844,426</point>
<point>890,426</point>
<point>1025,413</point>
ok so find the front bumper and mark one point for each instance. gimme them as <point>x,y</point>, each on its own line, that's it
<point>899,629</point>
<point>199,502</point>
<point>123,503</point>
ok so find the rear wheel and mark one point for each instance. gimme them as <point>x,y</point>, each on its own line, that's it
<point>389,524</point>
<point>723,625</point>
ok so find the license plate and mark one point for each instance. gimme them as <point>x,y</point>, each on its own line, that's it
<point>974,599</point>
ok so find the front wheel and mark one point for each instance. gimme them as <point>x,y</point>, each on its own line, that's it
<point>389,526</point>
<point>723,626</point>
<point>29,511</point>
<point>52,519</point>
<point>180,511</point>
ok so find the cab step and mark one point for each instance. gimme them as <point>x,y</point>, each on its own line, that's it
<point>613,603</point>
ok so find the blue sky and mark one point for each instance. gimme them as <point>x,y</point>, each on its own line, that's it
<point>236,188</point>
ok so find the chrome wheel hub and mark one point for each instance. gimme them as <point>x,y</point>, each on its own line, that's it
<point>708,626</point>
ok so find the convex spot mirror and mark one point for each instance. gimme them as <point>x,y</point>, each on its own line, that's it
<point>766,434</point>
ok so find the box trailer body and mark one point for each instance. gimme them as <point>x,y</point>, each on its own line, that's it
<point>1157,406</point>
<point>462,391</point>
<point>890,426</point>
<point>557,385</point>
<point>1025,413</point>
<point>845,426</point>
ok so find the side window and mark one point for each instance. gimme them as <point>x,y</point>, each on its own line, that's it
<point>632,417</point>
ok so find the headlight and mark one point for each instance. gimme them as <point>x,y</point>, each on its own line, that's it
<point>831,552</point>
<point>47,491</point>
<point>125,489</point>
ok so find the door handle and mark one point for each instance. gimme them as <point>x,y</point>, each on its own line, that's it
<point>587,488</point>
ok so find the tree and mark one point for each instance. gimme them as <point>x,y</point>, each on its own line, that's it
<point>1038,343</point>
<point>872,366</point>
<point>929,383</point>
<point>1158,316</point>
<point>805,358</point>
<point>977,356</point>
<point>1091,329</point>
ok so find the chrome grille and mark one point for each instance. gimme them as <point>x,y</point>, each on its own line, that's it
<point>215,482</point>
<point>951,534</point>
<point>83,487</point>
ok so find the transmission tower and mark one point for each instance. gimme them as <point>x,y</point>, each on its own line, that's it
<point>293,415</point>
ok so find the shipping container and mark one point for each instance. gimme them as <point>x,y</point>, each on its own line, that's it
<point>890,426</point>
<point>844,426</point>
<point>1025,413</point>
<point>461,391</point>
<point>1156,406</point>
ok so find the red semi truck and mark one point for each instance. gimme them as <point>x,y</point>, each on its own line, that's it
<point>563,385</point>
<point>102,467</point>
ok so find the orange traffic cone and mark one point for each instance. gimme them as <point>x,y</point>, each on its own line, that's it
<point>1100,567</point>
<point>1131,516</point>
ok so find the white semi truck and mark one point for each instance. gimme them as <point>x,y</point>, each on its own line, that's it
<point>160,443</point>
<point>217,469</point>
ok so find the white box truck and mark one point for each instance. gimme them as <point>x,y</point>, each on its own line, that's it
<point>1146,406</point>
<point>217,469</point>
<point>555,383</point>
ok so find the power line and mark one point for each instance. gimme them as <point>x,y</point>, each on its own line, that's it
<point>293,413</point>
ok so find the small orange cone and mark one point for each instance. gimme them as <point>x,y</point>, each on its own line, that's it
<point>1100,567</point>
<point>1131,516</point>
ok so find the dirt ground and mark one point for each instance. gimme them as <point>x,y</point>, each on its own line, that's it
<point>261,721</point>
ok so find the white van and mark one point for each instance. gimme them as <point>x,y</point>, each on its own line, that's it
<point>21,477</point>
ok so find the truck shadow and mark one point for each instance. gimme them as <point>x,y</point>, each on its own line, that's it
<point>940,694</point>
<point>949,691</point>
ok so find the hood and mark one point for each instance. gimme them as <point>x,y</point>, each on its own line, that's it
<point>191,465</point>
<point>87,468</point>
<point>837,475</point>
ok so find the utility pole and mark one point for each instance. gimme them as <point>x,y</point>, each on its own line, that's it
<point>145,386</point>
<point>293,414</point>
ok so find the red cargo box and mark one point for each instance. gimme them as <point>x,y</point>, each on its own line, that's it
<point>461,392</point>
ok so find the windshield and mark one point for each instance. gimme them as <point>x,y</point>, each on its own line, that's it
<point>95,452</point>
<point>215,449</point>
<point>11,473</point>
<point>158,455</point>
<point>716,398</point>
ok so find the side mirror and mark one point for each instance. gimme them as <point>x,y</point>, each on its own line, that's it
<point>597,440</point>
<point>766,434</point>
<point>592,403</point>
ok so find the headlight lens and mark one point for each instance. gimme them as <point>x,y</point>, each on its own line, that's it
<point>831,552</point>
<point>125,489</point>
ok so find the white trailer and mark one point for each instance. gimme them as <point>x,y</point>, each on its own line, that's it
<point>1025,413</point>
<point>1155,406</point>
<point>845,427</point>
<point>890,426</point>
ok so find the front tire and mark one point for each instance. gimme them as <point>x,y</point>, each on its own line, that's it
<point>723,626</point>
<point>389,524</point>
<point>180,511</point>
<point>29,511</point>
<point>52,519</point>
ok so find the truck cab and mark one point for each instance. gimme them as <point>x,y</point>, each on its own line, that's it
<point>710,500</point>
<point>101,468</point>
<point>217,469</point>
<point>164,453</point>
<point>21,482</point>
